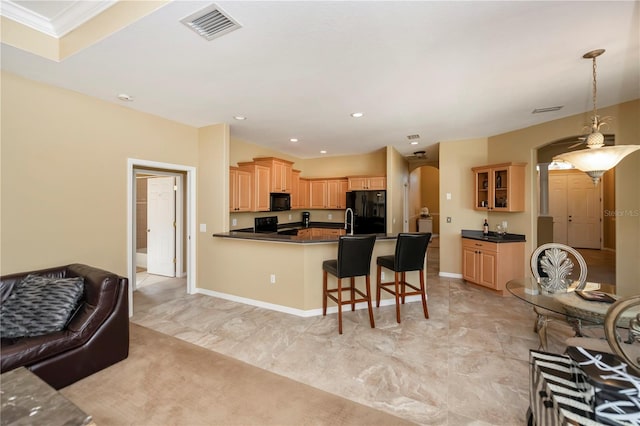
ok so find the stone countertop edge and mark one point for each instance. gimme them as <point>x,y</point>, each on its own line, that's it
<point>289,238</point>
<point>493,237</point>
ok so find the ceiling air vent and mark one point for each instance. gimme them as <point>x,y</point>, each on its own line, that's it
<point>210,22</point>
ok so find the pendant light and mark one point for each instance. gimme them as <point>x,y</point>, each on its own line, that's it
<point>597,158</point>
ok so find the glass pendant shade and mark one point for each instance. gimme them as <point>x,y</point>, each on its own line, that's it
<point>596,161</point>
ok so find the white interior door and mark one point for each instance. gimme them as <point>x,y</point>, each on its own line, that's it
<point>161,230</point>
<point>558,207</point>
<point>583,209</point>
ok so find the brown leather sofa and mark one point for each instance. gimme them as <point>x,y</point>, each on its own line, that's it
<point>96,337</point>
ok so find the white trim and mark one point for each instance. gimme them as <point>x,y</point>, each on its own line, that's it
<point>65,21</point>
<point>294,311</point>
<point>132,163</point>
<point>449,275</point>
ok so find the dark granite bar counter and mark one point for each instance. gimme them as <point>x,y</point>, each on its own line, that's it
<point>279,238</point>
<point>493,237</point>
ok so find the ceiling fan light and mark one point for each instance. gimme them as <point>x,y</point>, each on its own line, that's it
<point>595,140</point>
<point>595,162</point>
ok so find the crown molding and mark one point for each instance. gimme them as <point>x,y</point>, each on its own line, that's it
<point>64,22</point>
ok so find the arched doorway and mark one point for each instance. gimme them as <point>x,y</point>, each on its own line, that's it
<point>572,209</point>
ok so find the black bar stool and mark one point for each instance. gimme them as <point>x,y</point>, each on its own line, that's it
<point>354,260</point>
<point>410,253</point>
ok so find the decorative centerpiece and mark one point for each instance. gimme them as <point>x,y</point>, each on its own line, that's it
<point>557,265</point>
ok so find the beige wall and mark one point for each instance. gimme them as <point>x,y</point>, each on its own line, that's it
<point>397,179</point>
<point>456,178</point>
<point>521,145</point>
<point>64,170</point>
<point>64,174</point>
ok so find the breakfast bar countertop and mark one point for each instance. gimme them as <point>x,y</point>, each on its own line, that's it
<point>279,238</point>
<point>493,237</point>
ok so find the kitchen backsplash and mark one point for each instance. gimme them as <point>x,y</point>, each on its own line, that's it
<point>245,220</point>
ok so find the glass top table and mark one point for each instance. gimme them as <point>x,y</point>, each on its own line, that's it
<point>574,308</point>
<point>565,303</point>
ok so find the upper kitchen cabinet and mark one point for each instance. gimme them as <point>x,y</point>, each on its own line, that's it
<point>337,193</point>
<point>299,191</point>
<point>239,190</point>
<point>359,183</point>
<point>318,193</point>
<point>281,171</point>
<point>328,193</point>
<point>260,185</point>
<point>499,187</point>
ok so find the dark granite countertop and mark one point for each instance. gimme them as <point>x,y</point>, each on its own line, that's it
<point>279,238</point>
<point>493,237</point>
<point>298,225</point>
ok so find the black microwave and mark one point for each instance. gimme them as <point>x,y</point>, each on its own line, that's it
<point>280,202</point>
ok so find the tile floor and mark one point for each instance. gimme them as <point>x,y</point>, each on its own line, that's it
<point>465,365</point>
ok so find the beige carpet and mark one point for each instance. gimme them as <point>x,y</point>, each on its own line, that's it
<point>166,381</point>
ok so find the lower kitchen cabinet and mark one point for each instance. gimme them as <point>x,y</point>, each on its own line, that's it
<point>492,264</point>
<point>321,232</point>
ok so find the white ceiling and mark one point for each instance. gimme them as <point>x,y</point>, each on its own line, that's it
<point>443,70</point>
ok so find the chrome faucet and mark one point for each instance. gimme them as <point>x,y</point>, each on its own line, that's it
<point>346,216</point>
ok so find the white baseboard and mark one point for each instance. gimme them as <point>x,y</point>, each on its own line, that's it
<point>449,275</point>
<point>294,311</point>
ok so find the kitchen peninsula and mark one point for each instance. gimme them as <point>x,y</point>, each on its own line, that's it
<point>284,272</point>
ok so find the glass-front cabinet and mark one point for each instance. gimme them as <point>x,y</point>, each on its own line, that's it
<point>499,187</point>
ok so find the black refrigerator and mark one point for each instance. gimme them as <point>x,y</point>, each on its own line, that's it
<point>370,210</point>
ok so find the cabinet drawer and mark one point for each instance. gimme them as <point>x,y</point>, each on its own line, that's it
<point>479,245</point>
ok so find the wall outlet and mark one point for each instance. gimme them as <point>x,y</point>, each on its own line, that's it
<point>289,217</point>
<point>234,222</point>
<point>272,279</point>
<point>203,227</point>
<point>448,219</point>
<point>330,216</point>
<point>382,276</point>
<point>448,195</point>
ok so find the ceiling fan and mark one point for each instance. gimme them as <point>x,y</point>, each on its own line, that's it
<point>582,140</point>
<point>418,155</point>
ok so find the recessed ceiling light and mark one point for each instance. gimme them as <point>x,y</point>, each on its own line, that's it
<point>125,98</point>
<point>357,114</point>
<point>414,143</point>
<point>323,152</point>
<point>293,140</point>
<point>239,117</point>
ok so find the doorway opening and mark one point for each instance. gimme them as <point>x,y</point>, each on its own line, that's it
<point>572,209</point>
<point>159,227</point>
<point>161,220</point>
<point>424,201</point>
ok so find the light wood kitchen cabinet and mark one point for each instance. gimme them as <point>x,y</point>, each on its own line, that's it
<point>358,183</point>
<point>492,264</point>
<point>280,173</point>
<point>318,193</point>
<point>305,233</point>
<point>304,191</point>
<point>499,187</point>
<point>328,193</point>
<point>295,189</point>
<point>239,190</point>
<point>260,185</point>
<point>337,193</point>
<point>321,232</point>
